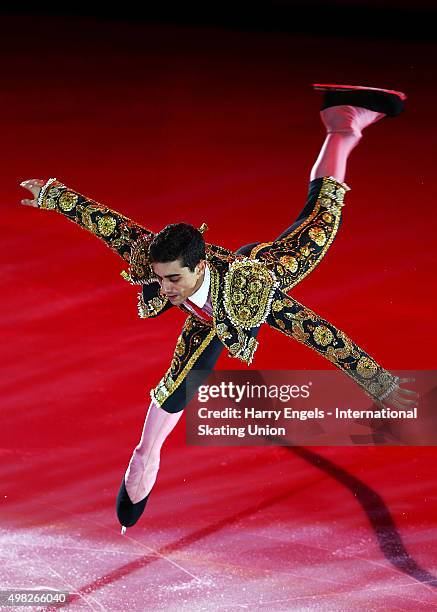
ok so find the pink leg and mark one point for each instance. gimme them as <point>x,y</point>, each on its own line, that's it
<point>144,464</point>
<point>344,125</point>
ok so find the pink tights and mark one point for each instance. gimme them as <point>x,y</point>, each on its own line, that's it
<point>144,464</point>
<point>343,126</point>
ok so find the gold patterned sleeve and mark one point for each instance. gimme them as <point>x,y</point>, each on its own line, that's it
<point>298,322</point>
<point>116,230</point>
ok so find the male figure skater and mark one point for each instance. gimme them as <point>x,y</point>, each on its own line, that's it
<point>227,295</point>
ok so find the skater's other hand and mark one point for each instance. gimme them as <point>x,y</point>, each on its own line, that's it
<point>34,186</point>
<point>401,398</point>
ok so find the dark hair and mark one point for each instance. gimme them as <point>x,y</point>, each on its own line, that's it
<point>178,241</point>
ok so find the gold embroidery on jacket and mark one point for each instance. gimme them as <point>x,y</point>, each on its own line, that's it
<point>249,288</point>
<point>68,200</point>
<point>152,307</point>
<point>237,341</point>
<point>106,225</point>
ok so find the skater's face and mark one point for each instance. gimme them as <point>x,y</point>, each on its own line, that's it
<point>178,282</point>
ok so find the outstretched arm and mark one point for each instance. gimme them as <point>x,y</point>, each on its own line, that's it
<point>296,321</point>
<point>116,230</point>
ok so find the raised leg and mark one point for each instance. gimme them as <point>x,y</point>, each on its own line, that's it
<point>301,247</point>
<point>344,125</point>
<point>346,111</point>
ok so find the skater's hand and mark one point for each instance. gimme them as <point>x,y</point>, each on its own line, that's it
<point>401,399</point>
<point>34,186</point>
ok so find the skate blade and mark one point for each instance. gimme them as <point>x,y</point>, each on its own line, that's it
<point>332,87</point>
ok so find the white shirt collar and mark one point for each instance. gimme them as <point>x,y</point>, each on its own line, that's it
<point>201,295</point>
